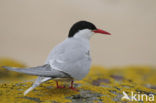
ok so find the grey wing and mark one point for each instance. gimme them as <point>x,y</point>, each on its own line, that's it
<point>44,71</point>
<point>74,61</point>
<point>69,51</point>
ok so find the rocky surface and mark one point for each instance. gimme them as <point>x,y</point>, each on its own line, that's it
<point>102,85</point>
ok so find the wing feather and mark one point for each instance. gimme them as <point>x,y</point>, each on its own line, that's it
<point>45,71</point>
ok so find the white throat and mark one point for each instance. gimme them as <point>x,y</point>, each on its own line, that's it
<point>84,34</point>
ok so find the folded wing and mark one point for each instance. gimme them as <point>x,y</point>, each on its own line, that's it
<point>44,71</point>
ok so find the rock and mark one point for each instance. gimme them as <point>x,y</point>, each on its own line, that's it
<point>100,86</point>
<point>6,75</point>
<point>9,74</point>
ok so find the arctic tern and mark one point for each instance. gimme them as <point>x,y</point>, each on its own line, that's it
<point>70,60</point>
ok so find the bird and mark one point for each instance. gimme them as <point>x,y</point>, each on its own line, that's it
<point>70,60</point>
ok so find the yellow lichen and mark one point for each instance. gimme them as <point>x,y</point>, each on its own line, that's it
<point>6,75</point>
<point>9,62</point>
<point>108,83</point>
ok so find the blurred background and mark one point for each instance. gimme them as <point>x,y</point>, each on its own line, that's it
<point>29,29</point>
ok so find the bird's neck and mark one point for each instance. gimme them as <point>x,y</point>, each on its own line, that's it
<point>84,34</point>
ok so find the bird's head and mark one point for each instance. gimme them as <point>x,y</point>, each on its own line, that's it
<point>85,29</point>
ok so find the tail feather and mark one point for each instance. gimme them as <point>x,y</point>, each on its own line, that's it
<point>38,81</point>
<point>44,71</point>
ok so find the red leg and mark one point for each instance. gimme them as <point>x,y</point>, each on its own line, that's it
<point>72,87</point>
<point>59,86</point>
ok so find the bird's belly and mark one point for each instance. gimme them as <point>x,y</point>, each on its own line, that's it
<point>63,79</point>
<point>79,69</point>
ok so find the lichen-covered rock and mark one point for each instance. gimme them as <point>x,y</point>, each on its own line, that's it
<point>6,75</point>
<point>101,85</point>
<point>9,62</point>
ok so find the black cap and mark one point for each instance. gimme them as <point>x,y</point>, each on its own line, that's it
<point>80,26</point>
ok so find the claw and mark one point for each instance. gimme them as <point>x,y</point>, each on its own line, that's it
<point>60,86</point>
<point>73,88</point>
